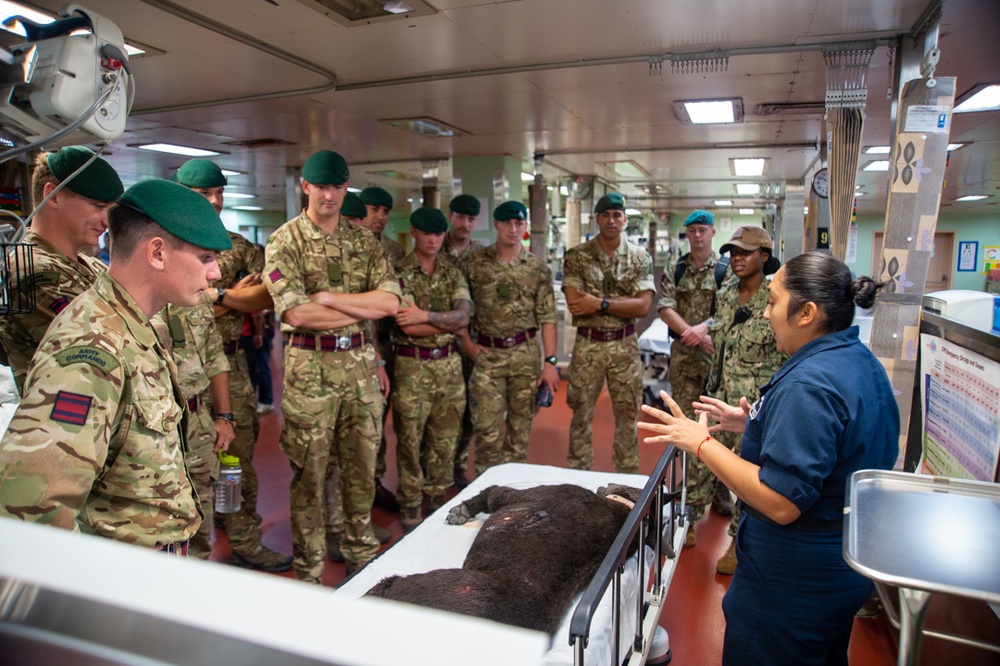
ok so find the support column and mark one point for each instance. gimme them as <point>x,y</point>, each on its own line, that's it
<point>538,212</point>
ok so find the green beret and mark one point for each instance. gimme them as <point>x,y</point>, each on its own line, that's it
<point>376,196</point>
<point>353,206</point>
<point>430,220</point>
<point>700,217</point>
<point>201,173</point>
<point>510,210</point>
<point>464,204</point>
<point>179,210</point>
<point>609,201</point>
<point>98,181</point>
<point>325,168</point>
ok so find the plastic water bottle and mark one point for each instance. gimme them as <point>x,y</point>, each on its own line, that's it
<point>227,486</point>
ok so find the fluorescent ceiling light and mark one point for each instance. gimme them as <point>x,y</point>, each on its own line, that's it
<point>527,177</point>
<point>749,166</point>
<point>425,126</point>
<point>626,169</point>
<point>877,165</point>
<point>709,111</point>
<point>858,193</point>
<point>397,7</point>
<point>563,190</point>
<point>972,197</point>
<point>355,190</point>
<point>746,211</point>
<point>955,146</point>
<point>984,97</point>
<point>877,150</point>
<point>747,189</point>
<point>176,150</point>
<point>230,172</point>
<point>247,208</point>
<point>723,202</point>
<point>632,211</point>
<point>239,195</point>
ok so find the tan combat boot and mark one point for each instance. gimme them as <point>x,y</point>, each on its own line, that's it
<point>727,563</point>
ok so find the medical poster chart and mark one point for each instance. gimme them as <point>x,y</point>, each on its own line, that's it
<point>960,391</point>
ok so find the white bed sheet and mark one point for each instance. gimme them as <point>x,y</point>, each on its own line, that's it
<point>436,545</point>
<point>655,339</point>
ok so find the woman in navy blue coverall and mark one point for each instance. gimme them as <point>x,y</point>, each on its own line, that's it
<point>828,412</point>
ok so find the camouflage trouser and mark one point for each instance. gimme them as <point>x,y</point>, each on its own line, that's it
<point>333,498</point>
<point>467,431</point>
<point>243,527</point>
<point>731,440</point>
<point>593,362</point>
<point>201,464</point>
<point>427,405</point>
<point>502,389</point>
<point>688,369</point>
<point>333,412</point>
<point>388,352</point>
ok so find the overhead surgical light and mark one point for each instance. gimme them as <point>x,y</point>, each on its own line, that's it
<point>174,149</point>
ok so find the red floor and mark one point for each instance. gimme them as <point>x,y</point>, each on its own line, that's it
<point>693,615</point>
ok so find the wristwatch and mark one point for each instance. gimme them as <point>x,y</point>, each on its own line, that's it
<point>220,293</point>
<point>605,304</point>
<point>225,416</point>
<point>554,360</point>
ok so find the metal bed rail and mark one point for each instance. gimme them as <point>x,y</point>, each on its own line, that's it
<point>670,471</point>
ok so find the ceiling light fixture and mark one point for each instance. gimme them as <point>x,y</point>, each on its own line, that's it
<point>397,7</point>
<point>955,146</point>
<point>247,208</point>
<point>877,150</point>
<point>425,126</point>
<point>240,195</point>
<point>877,165</point>
<point>723,202</point>
<point>746,211</point>
<point>972,197</point>
<point>982,97</point>
<point>230,172</point>
<point>632,211</point>
<point>174,149</point>
<point>747,189</point>
<point>527,177</point>
<point>709,111</point>
<point>748,166</point>
<point>626,169</point>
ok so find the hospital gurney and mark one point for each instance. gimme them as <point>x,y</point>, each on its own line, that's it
<point>595,621</point>
<point>654,350</point>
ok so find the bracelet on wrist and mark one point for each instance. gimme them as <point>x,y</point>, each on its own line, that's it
<point>697,452</point>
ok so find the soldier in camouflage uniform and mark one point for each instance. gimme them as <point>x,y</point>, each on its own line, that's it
<point>429,393</point>
<point>512,298</point>
<point>608,285</point>
<point>97,444</point>
<point>378,205</point>
<point>74,218</point>
<point>745,351</point>
<point>458,245</point>
<point>189,334</point>
<point>238,291</point>
<point>686,308</point>
<point>328,278</point>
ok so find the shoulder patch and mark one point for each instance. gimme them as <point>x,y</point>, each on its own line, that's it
<point>71,408</point>
<point>59,304</point>
<point>275,275</point>
<point>45,277</point>
<point>100,359</point>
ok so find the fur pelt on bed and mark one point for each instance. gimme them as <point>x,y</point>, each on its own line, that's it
<point>537,550</point>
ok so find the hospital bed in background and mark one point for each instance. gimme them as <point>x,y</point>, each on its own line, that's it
<point>595,626</point>
<point>654,350</point>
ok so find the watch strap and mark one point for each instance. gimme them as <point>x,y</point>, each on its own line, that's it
<point>554,360</point>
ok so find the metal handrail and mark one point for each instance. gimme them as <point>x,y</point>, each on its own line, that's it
<point>650,499</point>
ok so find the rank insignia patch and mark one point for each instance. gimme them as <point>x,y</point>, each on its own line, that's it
<point>275,275</point>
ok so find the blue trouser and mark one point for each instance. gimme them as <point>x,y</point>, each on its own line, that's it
<point>792,599</point>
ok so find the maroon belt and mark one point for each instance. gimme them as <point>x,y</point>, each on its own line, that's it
<point>193,404</point>
<point>508,342</point>
<point>327,342</point>
<point>179,548</point>
<point>229,347</point>
<point>597,335</point>
<point>425,353</point>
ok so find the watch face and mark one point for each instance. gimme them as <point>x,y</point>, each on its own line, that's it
<point>821,183</point>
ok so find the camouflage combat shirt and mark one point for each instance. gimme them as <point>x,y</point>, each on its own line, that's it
<point>58,280</point>
<point>509,298</point>
<point>302,260</point>
<point>192,338</point>
<point>692,296</point>
<point>97,444</point>
<point>459,257</point>
<point>243,257</point>
<point>589,269</point>
<point>434,293</point>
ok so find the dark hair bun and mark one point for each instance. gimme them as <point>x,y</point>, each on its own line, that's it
<point>863,291</point>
